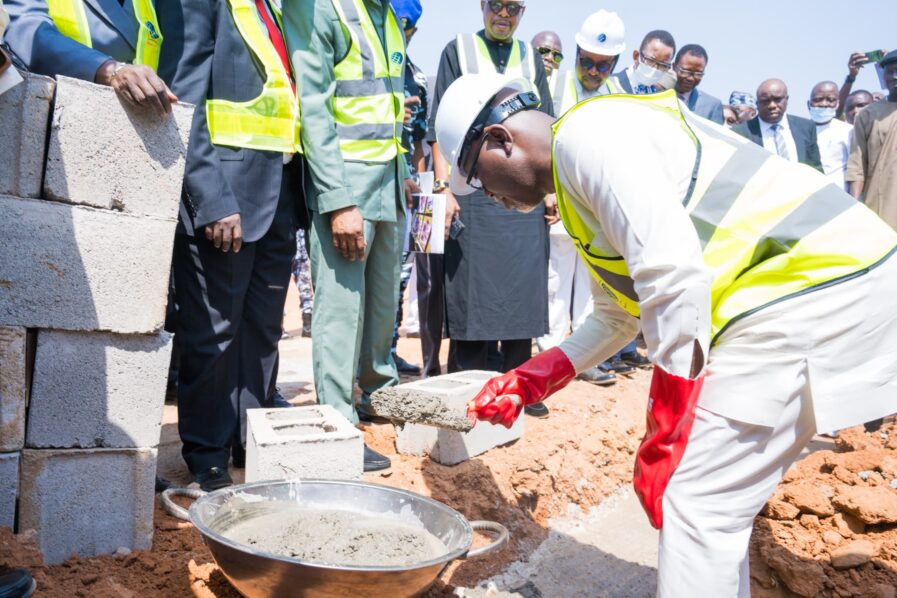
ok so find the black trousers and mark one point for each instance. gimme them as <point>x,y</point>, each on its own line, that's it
<point>482,355</point>
<point>431,308</point>
<point>230,319</point>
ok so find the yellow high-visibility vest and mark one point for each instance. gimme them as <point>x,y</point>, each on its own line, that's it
<point>473,57</point>
<point>369,101</point>
<point>71,20</point>
<point>769,229</point>
<point>269,122</point>
<point>564,94</point>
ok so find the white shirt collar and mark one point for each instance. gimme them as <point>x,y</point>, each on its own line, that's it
<point>768,126</point>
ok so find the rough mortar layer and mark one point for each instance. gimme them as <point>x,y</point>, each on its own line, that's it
<point>450,447</point>
<point>98,390</point>
<point>13,388</point>
<point>87,502</point>
<point>76,268</point>
<point>104,155</point>
<point>9,485</point>
<point>438,401</point>
<point>303,443</point>
<point>24,117</point>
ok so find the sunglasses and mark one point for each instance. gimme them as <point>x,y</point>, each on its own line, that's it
<point>687,73</point>
<point>588,64</point>
<point>513,8</point>
<point>556,56</point>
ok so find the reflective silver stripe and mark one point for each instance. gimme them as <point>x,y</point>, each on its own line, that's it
<point>354,21</point>
<point>526,63</point>
<point>696,123</point>
<point>369,87</point>
<point>367,131</point>
<point>817,210</point>
<point>725,189</point>
<point>470,54</point>
<point>618,282</point>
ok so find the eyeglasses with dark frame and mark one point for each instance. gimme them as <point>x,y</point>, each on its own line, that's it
<point>687,73</point>
<point>513,8</point>
<point>658,64</point>
<point>556,56</point>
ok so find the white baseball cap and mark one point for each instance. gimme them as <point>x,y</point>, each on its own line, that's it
<point>602,33</point>
<point>461,104</point>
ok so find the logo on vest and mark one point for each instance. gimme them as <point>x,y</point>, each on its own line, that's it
<point>152,30</point>
<point>397,57</point>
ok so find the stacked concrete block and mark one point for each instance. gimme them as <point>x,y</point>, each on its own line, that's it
<point>13,388</point>
<point>9,483</point>
<point>302,443</point>
<point>87,502</point>
<point>104,156</point>
<point>98,390</point>
<point>24,114</point>
<point>446,446</point>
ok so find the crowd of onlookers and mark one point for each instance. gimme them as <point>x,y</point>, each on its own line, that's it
<point>304,159</point>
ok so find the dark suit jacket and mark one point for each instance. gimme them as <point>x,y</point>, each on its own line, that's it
<point>204,56</point>
<point>704,104</point>
<point>803,130</point>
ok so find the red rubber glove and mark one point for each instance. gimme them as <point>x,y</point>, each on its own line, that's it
<point>503,397</point>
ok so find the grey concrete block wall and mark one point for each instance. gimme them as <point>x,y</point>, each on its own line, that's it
<point>87,502</point>
<point>13,388</point>
<point>77,268</point>
<point>9,484</point>
<point>302,443</point>
<point>24,118</point>
<point>105,155</point>
<point>98,390</point>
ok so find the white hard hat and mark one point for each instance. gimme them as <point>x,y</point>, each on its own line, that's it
<point>602,33</point>
<point>459,107</point>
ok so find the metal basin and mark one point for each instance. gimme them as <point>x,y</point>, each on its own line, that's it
<point>257,574</point>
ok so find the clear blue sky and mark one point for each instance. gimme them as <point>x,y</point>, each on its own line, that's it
<point>799,41</point>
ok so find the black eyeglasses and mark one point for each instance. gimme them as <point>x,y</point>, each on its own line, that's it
<point>687,73</point>
<point>558,57</point>
<point>513,8</point>
<point>588,64</point>
<point>658,64</point>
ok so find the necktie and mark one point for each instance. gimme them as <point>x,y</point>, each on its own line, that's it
<point>276,37</point>
<point>781,146</point>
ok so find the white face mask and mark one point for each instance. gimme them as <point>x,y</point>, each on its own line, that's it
<point>822,114</point>
<point>651,80</point>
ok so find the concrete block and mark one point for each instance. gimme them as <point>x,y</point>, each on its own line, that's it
<point>13,388</point>
<point>443,445</point>
<point>76,268</point>
<point>9,485</point>
<point>438,401</point>
<point>302,443</point>
<point>87,502</point>
<point>105,155</point>
<point>98,390</point>
<point>24,118</point>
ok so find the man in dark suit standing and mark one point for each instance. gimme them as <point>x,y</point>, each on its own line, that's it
<point>235,238</point>
<point>690,64</point>
<point>791,137</point>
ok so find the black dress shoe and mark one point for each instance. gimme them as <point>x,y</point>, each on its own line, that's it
<point>405,367</point>
<point>536,410</point>
<point>277,401</point>
<point>635,359</point>
<point>17,583</point>
<point>374,461</point>
<point>619,366</point>
<point>213,478</point>
<point>162,484</point>
<point>598,376</point>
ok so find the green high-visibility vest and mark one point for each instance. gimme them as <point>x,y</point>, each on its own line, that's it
<point>564,94</point>
<point>473,57</point>
<point>71,20</point>
<point>270,122</point>
<point>770,229</point>
<point>369,101</point>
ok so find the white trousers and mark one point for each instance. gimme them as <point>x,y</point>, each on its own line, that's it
<point>569,291</point>
<point>728,472</point>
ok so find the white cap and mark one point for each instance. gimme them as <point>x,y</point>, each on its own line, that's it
<point>459,107</point>
<point>602,33</point>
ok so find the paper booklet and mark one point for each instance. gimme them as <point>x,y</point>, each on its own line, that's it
<point>426,224</point>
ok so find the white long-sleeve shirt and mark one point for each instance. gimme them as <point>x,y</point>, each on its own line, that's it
<point>629,168</point>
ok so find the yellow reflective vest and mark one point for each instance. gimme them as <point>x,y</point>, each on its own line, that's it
<point>769,229</point>
<point>564,94</point>
<point>71,20</point>
<point>270,122</point>
<point>369,101</point>
<point>473,57</point>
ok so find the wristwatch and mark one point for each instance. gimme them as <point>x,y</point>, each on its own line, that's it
<point>440,185</point>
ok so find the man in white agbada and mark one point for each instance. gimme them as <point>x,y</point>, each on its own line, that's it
<point>753,280</point>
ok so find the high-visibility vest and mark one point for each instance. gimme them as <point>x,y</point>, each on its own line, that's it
<point>473,57</point>
<point>269,122</point>
<point>564,94</point>
<point>769,229</point>
<point>71,20</point>
<point>369,101</point>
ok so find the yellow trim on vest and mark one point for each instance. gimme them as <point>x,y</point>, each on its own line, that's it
<point>71,20</point>
<point>269,122</point>
<point>769,229</point>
